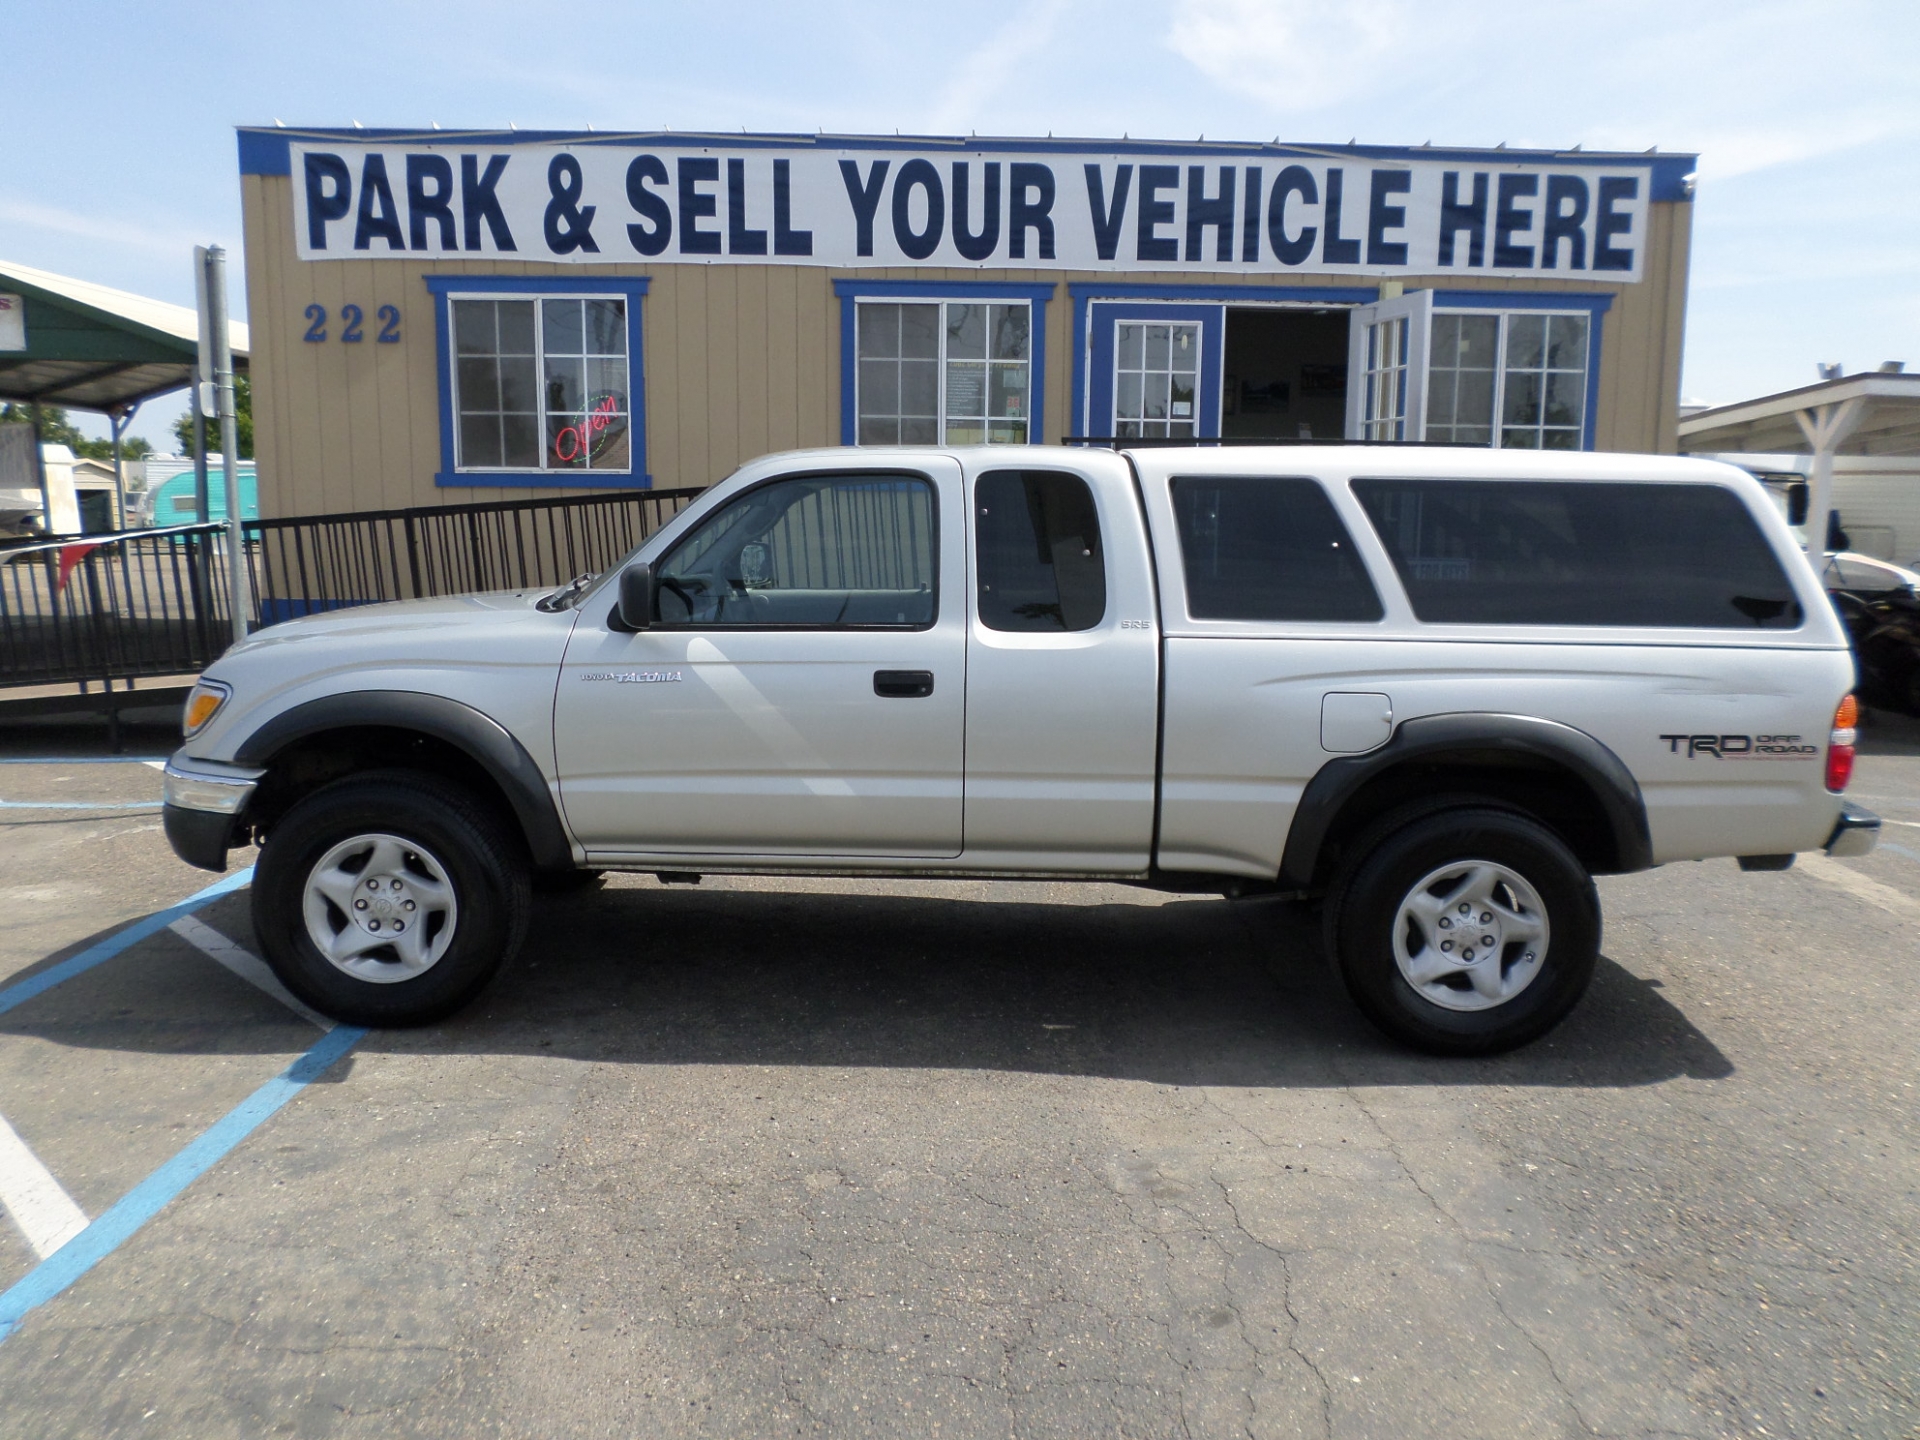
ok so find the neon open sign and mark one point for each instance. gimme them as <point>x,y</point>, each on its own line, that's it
<point>591,438</point>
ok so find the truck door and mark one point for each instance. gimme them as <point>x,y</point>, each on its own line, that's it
<point>1062,670</point>
<point>803,690</point>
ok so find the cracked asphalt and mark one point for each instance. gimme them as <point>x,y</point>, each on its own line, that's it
<point>766,1158</point>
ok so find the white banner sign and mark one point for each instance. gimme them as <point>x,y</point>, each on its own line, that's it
<point>1026,210</point>
<point>13,322</point>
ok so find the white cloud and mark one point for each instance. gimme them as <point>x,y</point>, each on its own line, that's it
<point>987,69</point>
<point>1294,55</point>
<point>133,233</point>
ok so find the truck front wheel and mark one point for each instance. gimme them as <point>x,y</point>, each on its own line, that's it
<point>1465,932</point>
<point>389,899</point>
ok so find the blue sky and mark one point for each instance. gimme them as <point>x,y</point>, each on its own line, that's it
<point>1806,115</point>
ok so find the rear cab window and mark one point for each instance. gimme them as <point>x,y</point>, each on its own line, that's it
<point>1268,548</point>
<point>1037,538</point>
<point>1579,552</point>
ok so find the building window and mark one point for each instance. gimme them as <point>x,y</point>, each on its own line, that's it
<point>1156,369</point>
<point>945,372</point>
<point>541,383</point>
<point>1513,381</point>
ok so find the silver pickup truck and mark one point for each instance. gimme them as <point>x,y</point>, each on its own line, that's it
<point>1435,691</point>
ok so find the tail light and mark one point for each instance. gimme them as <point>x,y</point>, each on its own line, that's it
<point>1840,744</point>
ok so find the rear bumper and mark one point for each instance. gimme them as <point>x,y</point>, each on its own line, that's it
<point>1856,832</point>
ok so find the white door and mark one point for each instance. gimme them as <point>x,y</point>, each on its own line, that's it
<point>803,691</point>
<point>1388,350</point>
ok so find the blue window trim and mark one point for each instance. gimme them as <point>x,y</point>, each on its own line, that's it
<point>983,291</point>
<point>267,150</point>
<point>633,287</point>
<point>1086,294</point>
<point>1211,319</point>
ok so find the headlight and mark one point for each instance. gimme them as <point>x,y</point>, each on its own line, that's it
<point>202,705</point>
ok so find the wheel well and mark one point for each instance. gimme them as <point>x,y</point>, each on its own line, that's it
<point>306,764</point>
<point>1550,793</point>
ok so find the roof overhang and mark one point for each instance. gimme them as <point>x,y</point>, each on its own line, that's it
<point>1884,410</point>
<point>91,347</point>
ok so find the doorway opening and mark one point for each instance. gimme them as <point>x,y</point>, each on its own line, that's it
<point>1285,373</point>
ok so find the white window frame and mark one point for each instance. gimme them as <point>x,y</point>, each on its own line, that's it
<point>1497,441</point>
<point>1191,420</point>
<point>539,299</point>
<point>940,302</point>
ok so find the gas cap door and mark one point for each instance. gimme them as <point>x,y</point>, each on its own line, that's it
<point>1351,722</point>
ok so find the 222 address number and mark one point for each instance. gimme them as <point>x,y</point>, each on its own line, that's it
<point>352,324</point>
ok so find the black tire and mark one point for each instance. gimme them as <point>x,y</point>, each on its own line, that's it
<point>467,848</point>
<point>1385,871</point>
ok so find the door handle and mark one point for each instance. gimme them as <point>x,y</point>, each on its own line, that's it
<point>903,684</point>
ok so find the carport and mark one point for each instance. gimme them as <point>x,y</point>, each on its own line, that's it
<point>1875,413</point>
<point>72,343</point>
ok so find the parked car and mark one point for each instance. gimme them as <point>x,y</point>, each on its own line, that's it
<point>1880,603</point>
<point>1436,690</point>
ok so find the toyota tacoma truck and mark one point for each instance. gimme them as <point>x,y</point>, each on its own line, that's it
<point>1435,691</point>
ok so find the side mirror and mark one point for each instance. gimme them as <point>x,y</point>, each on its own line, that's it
<point>635,608</point>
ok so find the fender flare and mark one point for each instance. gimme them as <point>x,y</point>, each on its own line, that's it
<point>480,737</point>
<point>1605,775</point>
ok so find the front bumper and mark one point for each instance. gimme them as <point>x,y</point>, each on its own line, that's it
<point>204,801</point>
<point>1856,832</point>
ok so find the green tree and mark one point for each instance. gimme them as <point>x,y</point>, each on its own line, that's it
<point>57,429</point>
<point>243,423</point>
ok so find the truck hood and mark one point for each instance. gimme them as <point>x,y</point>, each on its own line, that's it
<point>398,618</point>
<point>495,653</point>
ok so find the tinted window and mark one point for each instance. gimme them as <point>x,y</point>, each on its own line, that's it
<point>1261,549</point>
<point>1038,544</point>
<point>821,551</point>
<point>1528,552</point>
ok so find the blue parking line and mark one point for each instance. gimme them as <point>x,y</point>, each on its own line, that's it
<point>153,1194</point>
<point>94,955</point>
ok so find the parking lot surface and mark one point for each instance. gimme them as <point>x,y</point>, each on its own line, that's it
<point>768,1158</point>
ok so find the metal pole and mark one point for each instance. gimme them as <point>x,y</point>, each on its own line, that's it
<point>40,470</point>
<point>215,261</point>
<point>117,421</point>
<point>200,403</point>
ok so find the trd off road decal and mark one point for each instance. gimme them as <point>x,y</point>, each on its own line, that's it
<point>1742,747</point>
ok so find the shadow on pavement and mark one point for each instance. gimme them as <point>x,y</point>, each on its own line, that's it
<point>1887,732</point>
<point>1191,992</point>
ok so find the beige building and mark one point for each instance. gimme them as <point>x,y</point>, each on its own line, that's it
<point>441,316</point>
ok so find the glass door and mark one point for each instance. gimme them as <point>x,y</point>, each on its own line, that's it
<point>1156,379</point>
<point>1387,360</point>
<point>1153,371</point>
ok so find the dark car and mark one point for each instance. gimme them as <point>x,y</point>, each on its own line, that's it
<point>1880,604</point>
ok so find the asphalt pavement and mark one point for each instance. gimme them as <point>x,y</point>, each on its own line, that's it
<point>761,1158</point>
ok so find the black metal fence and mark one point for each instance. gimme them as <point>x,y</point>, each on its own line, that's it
<point>144,603</point>
<point>114,607</point>
<point>306,563</point>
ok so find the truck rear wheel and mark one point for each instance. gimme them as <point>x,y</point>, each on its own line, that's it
<point>389,899</point>
<point>1465,932</point>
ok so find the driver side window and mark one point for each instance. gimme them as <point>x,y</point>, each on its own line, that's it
<point>816,552</point>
